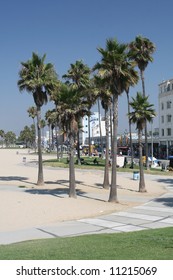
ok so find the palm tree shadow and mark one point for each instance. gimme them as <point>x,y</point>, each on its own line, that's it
<point>167,201</point>
<point>62,182</point>
<point>15,178</point>
<point>128,189</point>
<point>60,193</point>
<point>92,198</point>
<point>168,181</point>
<point>96,185</point>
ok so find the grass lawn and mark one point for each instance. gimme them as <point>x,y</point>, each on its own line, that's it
<point>89,164</point>
<point>155,244</point>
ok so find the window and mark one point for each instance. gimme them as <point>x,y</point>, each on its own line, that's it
<point>162,106</point>
<point>168,87</point>
<point>162,132</point>
<point>169,131</point>
<point>169,118</point>
<point>168,104</point>
<point>162,119</point>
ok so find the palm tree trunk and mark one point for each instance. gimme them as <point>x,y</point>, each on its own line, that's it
<point>78,148</point>
<point>89,137</point>
<point>35,144</point>
<point>72,183</point>
<point>40,181</point>
<point>111,127</point>
<point>100,129</point>
<point>52,145</point>
<point>49,137</point>
<point>146,139</point>
<point>130,130</point>
<point>56,131</point>
<point>113,189</point>
<point>141,179</point>
<point>106,171</point>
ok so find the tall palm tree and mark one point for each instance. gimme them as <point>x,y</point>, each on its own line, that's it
<point>142,112</point>
<point>70,109</point>
<point>114,66</point>
<point>102,89</point>
<point>78,77</point>
<point>127,84</point>
<point>37,78</point>
<point>100,127</point>
<point>91,97</point>
<point>141,50</point>
<point>32,111</point>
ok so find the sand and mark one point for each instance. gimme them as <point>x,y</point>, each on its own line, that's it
<point>23,204</point>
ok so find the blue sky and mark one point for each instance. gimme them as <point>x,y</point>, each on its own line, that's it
<point>71,30</point>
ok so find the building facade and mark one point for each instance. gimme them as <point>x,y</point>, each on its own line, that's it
<point>94,128</point>
<point>166,118</point>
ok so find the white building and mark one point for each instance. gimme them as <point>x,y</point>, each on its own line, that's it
<point>166,117</point>
<point>94,127</point>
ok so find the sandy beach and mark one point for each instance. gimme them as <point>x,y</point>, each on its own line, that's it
<point>23,204</point>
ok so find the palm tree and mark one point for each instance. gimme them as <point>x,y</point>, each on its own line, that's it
<point>37,78</point>
<point>91,97</point>
<point>127,84</point>
<point>2,134</point>
<point>78,77</point>
<point>100,128</point>
<point>141,50</point>
<point>102,89</point>
<point>142,112</point>
<point>32,111</point>
<point>114,66</point>
<point>70,108</point>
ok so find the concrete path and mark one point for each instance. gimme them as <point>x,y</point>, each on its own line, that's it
<point>156,213</point>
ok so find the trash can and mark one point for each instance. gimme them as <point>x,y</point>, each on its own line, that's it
<point>164,167</point>
<point>135,175</point>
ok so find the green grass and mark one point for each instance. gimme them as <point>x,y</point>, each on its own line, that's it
<point>88,164</point>
<point>155,244</point>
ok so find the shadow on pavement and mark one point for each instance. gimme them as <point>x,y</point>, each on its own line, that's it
<point>167,201</point>
<point>167,180</point>
<point>55,192</point>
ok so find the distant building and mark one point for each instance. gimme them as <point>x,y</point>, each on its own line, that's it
<point>94,127</point>
<point>166,118</point>
<point>94,130</point>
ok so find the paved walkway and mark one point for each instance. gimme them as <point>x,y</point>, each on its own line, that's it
<point>156,213</point>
